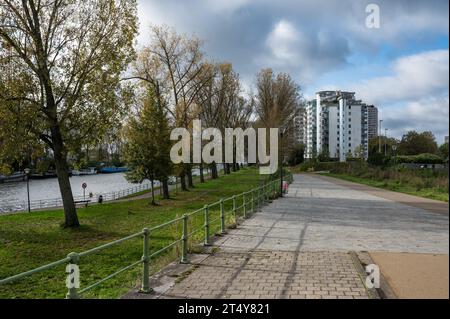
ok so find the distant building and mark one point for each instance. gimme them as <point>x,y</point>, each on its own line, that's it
<point>300,126</point>
<point>446,139</point>
<point>311,129</point>
<point>340,125</point>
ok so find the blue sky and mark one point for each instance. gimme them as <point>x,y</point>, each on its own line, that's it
<point>402,67</point>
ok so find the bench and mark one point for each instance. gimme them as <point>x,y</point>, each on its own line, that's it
<point>83,202</point>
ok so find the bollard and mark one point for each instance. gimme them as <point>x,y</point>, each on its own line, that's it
<point>234,210</point>
<point>184,248</point>
<point>145,288</point>
<point>207,243</point>
<point>73,278</point>
<point>222,216</point>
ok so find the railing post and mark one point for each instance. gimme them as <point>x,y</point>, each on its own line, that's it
<point>207,243</point>
<point>145,288</point>
<point>253,201</point>
<point>184,248</point>
<point>73,277</point>
<point>245,205</point>
<point>258,199</point>
<point>222,216</point>
<point>234,210</point>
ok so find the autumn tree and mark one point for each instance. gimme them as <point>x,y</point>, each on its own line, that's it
<point>414,143</point>
<point>64,59</point>
<point>278,102</point>
<point>147,148</point>
<point>222,104</point>
<point>180,69</point>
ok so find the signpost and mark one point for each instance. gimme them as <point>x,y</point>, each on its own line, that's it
<point>84,186</point>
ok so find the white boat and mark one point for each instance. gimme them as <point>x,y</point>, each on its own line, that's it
<point>16,177</point>
<point>84,172</point>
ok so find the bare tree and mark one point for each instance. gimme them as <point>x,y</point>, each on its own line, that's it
<point>278,102</point>
<point>175,62</point>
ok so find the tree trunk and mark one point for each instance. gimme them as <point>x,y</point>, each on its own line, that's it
<point>190,179</point>
<point>214,173</point>
<point>153,193</point>
<point>202,175</point>
<point>183,181</point>
<point>234,168</point>
<point>62,171</point>
<point>165,188</point>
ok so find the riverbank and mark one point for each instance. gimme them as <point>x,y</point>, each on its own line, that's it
<point>28,241</point>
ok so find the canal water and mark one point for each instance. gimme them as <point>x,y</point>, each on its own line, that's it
<point>49,188</point>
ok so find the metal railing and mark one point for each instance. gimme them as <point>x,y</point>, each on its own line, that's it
<point>214,218</point>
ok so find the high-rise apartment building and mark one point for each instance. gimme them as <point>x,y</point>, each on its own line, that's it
<point>339,125</point>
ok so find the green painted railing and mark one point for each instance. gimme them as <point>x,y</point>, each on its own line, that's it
<point>241,206</point>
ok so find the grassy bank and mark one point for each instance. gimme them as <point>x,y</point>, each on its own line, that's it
<point>424,183</point>
<point>31,240</point>
<point>397,186</point>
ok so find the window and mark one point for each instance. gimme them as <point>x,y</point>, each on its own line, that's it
<point>350,132</point>
<point>349,144</point>
<point>349,126</point>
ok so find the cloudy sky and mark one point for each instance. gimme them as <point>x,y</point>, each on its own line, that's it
<point>402,67</point>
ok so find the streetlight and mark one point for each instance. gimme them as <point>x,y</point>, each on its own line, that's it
<point>281,161</point>
<point>379,137</point>
<point>27,172</point>
<point>394,149</point>
<point>385,141</point>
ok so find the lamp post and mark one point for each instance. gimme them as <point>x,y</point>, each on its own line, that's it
<point>385,141</point>
<point>281,161</point>
<point>379,137</point>
<point>27,172</point>
<point>394,149</point>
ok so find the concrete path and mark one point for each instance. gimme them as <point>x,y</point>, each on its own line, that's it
<point>320,215</point>
<point>299,247</point>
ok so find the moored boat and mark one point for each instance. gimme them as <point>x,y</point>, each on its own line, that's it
<point>16,177</point>
<point>110,170</point>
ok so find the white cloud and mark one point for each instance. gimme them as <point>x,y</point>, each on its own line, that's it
<point>426,114</point>
<point>304,55</point>
<point>413,78</point>
<point>283,41</point>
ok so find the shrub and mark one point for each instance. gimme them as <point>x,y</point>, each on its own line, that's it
<point>420,159</point>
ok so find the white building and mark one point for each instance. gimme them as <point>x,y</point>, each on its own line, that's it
<point>339,125</point>
<point>300,126</point>
<point>311,129</point>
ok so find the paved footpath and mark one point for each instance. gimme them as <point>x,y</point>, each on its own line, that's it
<point>299,247</point>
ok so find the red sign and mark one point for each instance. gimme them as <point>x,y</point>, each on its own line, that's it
<point>84,185</point>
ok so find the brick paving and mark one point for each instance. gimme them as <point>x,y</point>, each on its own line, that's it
<point>272,275</point>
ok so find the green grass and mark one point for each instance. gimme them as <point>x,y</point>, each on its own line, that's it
<point>395,185</point>
<point>31,240</point>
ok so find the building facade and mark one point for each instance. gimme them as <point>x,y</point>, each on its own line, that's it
<point>339,125</point>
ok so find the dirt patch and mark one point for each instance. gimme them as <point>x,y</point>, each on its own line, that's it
<point>415,276</point>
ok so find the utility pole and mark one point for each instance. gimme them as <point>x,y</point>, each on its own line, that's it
<point>379,137</point>
<point>385,141</point>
